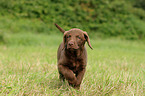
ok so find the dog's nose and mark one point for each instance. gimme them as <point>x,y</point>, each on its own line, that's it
<point>71,43</point>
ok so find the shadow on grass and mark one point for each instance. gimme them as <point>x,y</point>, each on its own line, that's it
<point>55,83</point>
<point>62,87</point>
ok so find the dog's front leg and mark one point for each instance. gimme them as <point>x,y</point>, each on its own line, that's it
<point>68,74</point>
<point>80,76</point>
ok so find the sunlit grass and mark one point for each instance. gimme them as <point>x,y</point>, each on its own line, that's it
<point>28,66</point>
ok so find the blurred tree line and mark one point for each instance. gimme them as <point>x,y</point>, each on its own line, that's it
<point>117,18</point>
<point>139,4</point>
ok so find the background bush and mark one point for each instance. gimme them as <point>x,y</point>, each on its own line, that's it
<point>1,38</point>
<point>108,18</point>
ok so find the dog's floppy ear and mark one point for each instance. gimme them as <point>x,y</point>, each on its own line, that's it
<point>87,39</point>
<point>59,28</point>
<point>64,39</point>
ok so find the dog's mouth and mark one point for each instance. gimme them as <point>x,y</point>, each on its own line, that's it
<point>75,47</point>
<point>72,49</point>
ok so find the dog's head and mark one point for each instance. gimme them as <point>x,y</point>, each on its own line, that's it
<point>74,39</point>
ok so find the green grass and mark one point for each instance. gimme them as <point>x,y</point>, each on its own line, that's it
<point>28,66</point>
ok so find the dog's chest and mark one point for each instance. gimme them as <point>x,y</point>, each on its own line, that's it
<point>75,65</point>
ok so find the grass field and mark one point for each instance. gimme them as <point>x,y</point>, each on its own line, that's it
<point>28,66</point>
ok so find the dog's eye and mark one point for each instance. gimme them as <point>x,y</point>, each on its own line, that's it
<point>68,36</point>
<point>78,37</point>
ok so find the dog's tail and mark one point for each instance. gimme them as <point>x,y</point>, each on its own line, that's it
<point>59,28</point>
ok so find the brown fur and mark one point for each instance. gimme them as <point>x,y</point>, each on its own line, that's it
<point>72,56</point>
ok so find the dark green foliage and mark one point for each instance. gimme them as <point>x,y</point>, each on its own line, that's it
<point>139,4</point>
<point>1,38</point>
<point>105,17</point>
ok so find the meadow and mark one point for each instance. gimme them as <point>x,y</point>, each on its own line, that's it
<point>29,42</point>
<point>28,66</point>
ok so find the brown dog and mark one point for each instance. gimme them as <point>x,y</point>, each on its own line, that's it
<point>72,56</point>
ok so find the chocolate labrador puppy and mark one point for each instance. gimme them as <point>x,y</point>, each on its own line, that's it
<point>72,56</point>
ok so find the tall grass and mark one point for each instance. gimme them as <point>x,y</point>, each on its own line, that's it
<point>29,67</point>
